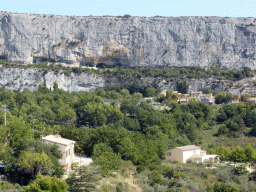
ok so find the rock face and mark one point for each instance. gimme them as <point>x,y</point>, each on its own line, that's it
<point>30,79</point>
<point>128,41</point>
<point>244,86</point>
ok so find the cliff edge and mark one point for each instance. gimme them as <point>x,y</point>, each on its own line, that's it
<point>128,41</point>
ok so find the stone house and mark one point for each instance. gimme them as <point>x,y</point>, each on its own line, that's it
<point>252,100</point>
<point>207,99</point>
<point>196,95</point>
<point>67,147</point>
<point>189,152</point>
<point>183,98</point>
<point>183,101</point>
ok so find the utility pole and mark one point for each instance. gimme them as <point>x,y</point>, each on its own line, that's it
<point>4,106</point>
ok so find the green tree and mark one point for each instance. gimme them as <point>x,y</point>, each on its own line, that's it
<point>33,163</point>
<point>43,88</point>
<point>150,92</point>
<point>170,97</point>
<point>48,184</point>
<point>18,167</point>
<point>223,97</point>
<point>223,152</point>
<point>99,149</point>
<point>125,93</point>
<point>250,153</point>
<point>128,150</point>
<point>100,92</point>
<point>182,87</point>
<point>245,97</point>
<point>18,129</point>
<point>55,86</point>
<point>109,162</point>
<point>238,155</point>
<point>84,178</point>
<point>137,95</point>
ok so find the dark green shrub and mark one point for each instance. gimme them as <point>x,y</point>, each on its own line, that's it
<point>140,168</point>
<point>223,187</point>
<point>167,171</point>
<point>240,170</point>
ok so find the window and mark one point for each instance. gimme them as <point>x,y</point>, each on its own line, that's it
<point>66,153</point>
<point>169,153</point>
<point>69,151</point>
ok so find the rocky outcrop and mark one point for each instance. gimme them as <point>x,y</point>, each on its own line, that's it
<point>129,41</point>
<point>244,86</point>
<point>30,79</point>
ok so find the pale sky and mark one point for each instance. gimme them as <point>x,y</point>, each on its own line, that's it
<point>148,8</point>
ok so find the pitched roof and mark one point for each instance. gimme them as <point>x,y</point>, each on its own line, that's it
<point>59,140</point>
<point>189,147</point>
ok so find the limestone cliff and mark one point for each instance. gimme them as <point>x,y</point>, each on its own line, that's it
<point>244,86</point>
<point>30,79</point>
<point>128,41</point>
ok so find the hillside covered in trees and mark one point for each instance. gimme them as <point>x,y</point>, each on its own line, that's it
<point>125,135</point>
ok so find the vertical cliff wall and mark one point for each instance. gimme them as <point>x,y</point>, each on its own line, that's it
<point>130,41</point>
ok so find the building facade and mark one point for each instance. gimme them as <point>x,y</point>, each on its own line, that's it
<point>67,147</point>
<point>189,152</point>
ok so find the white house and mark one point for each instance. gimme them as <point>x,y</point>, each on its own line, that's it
<point>192,152</point>
<point>66,146</point>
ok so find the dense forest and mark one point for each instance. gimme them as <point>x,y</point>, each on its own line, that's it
<point>123,133</point>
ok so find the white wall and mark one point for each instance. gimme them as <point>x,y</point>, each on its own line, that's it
<point>188,154</point>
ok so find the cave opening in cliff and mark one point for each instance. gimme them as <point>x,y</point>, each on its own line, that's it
<point>2,57</point>
<point>86,64</point>
<point>102,65</point>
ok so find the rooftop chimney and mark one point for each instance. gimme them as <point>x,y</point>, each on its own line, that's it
<point>57,134</point>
